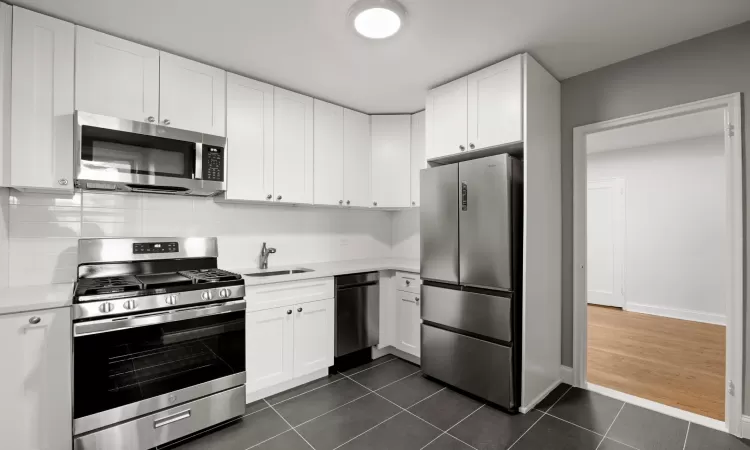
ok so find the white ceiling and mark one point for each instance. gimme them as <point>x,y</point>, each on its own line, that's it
<point>672,129</point>
<point>308,46</point>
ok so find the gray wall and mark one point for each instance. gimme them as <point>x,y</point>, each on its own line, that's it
<point>701,68</point>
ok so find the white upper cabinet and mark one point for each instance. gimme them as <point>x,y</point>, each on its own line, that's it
<point>6,29</point>
<point>417,153</point>
<point>42,102</point>
<point>192,95</point>
<point>293,147</point>
<point>36,380</point>
<point>446,119</point>
<point>496,105</point>
<point>391,161</point>
<point>115,77</point>
<point>313,336</point>
<point>357,144</point>
<point>329,154</point>
<point>249,139</point>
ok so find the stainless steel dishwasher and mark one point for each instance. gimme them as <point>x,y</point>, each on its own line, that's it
<point>357,312</point>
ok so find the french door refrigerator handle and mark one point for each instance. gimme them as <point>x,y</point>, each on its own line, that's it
<point>464,196</point>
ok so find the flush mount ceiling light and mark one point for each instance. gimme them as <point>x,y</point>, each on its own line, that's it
<point>377,19</point>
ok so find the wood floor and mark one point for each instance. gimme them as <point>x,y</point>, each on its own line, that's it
<point>675,362</point>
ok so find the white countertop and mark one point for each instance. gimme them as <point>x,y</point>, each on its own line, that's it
<point>330,269</point>
<point>33,298</point>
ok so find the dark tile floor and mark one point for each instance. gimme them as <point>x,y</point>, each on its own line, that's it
<point>388,404</point>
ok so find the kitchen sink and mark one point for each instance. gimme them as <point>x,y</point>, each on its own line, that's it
<point>274,273</point>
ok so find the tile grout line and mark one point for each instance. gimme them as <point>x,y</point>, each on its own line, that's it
<point>434,393</point>
<point>527,430</point>
<point>290,425</point>
<point>266,440</point>
<point>394,382</point>
<point>591,431</point>
<point>303,393</point>
<point>365,370</point>
<point>610,426</point>
<point>334,409</point>
<point>687,433</point>
<point>369,429</point>
<point>450,428</point>
<point>428,423</point>
<point>558,399</point>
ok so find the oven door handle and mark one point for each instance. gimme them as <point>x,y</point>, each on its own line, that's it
<point>119,323</point>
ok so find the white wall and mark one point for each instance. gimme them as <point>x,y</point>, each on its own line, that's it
<point>4,211</point>
<point>43,230</point>
<point>675,202</point>
<point>405,234</point>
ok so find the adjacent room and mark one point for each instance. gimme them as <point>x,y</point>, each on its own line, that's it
<point>656,232</point>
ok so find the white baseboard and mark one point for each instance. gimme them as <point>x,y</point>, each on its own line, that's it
<point>661,408</point>
<point>528,407</point>
<point>281,387</point>
<point>390,350</point>
<point>566,374</point>
<point>745,427</point>
<point>677,313</point>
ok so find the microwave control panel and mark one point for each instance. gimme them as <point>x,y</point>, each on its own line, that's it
<point>213,163</point>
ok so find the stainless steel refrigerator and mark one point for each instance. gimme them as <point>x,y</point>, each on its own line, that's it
<point>471,220</point>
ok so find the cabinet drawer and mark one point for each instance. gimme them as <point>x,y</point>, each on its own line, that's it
<point>287,294</point>
<point>408,282</point>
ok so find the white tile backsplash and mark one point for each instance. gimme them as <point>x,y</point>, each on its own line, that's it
<point>43,230</point>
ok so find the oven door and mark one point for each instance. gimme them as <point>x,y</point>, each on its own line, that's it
<point>122,154</point>
<point>127,367</point>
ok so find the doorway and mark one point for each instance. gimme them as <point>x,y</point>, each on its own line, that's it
<point>658,260</point>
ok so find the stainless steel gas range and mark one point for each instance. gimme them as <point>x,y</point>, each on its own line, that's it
<point>158,342</point>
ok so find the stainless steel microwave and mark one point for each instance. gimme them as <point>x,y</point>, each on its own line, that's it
<point>117,154</point>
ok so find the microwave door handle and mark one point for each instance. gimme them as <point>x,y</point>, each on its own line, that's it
<point>198,161</point>
<point>107,325</point>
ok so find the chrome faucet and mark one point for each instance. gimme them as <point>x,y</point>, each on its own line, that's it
<point>264,252</point>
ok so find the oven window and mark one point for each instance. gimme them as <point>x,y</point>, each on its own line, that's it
<point>119,367</point>
<point>119,151</point>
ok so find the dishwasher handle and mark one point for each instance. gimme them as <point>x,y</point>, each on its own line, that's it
<point>357,280</point>
<point>356,286</point>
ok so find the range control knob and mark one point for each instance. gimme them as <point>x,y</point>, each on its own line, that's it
<point>130,304</point>
<point>206,295</point>
<point>106,307</point>
<point>171,299</point>
<point>224,293</point>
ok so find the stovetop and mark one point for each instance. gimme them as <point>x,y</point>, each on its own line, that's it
<point>145,283</point>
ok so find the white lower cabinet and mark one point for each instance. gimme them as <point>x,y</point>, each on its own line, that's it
<point>269,347</point>
<point>408,322</point>
<point>36,380</point>
<point>289,333</point>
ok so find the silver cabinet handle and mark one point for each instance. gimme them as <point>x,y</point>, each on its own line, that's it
<point>278,197</point>
<point>416,299</point>
<point>288,311</point>
<point>461,147</point>
<point>471,146</point>
<point>413,203</point>
<point>299,309</point>
<point>348,202</point>
<point>374,203</point>
<point>341,202</point>
<point>171,419</point>
<point>62,181</point>
<point>35,320</point>
<point>151,119</point>
<point>408,282</point>
<point>167,122</point>
<point>269,197</point>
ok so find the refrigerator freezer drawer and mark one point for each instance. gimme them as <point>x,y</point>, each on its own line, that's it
<point>486,315</point>
<point>473,365</point>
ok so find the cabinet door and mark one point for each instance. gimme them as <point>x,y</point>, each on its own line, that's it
<point>249,139</point>
<point>357,145</point>
<point>293,147</point>
<point>417,153</point>
<point>408,323</point>
<point>42,102</point>
<point>36,355</point>
<point>269,347</point>
<point>313,336</point>
<point>446,119</point>
<point>192,95</point>
<point>115,77</point>
<point>328,153</point>
<point>391,161</point>
<point>495,105</point>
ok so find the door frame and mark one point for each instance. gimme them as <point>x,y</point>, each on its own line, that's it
<point>731,104</point>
